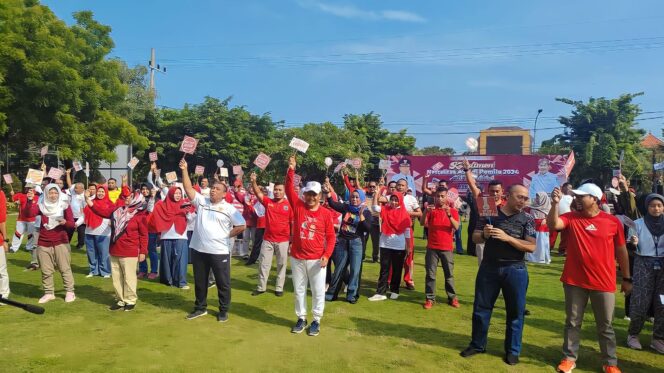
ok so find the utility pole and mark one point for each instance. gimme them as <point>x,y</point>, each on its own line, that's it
<point>154,66</point>
<point>532,145</point>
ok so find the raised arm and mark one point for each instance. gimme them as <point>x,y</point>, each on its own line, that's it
<point>257,189</point>
<point>186,181</point>
<point>553,221</point>
<point>68,178</point>
<point>290,189</point>
<point>470,179</point>
<point>425,186</point>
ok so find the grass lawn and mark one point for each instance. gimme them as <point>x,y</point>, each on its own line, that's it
<point>391,335</point>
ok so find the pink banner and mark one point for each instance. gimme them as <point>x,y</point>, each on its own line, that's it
<point>536,172</point>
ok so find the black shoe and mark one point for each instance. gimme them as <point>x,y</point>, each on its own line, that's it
<point>511,359</point>
<point>256,292</point>
<point>115,307</point>
<point>211,284</point>
<point>279,293</point>
<point>248,263</point>
<point>299,327</point>
<point>196,314</point>
<point>352,300</point>
<point>469,351</point>
<point>314,329</point>
<point>129,307</point>
<point>526,313</point>
<point>222,316</point>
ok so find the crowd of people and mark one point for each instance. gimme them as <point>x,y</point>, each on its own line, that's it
<point>156,229</point>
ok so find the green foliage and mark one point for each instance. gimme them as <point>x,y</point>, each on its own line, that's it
<point>597,131</point>
<point>434,150</point>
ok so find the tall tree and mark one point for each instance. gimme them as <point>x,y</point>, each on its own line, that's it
<point>434,150</point>
<point>598,131</point>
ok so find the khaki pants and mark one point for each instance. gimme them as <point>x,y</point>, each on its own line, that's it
<point>51,258</point>
<point>123,273</point>
<point>4,276</point>
<point>265,264</point>
<point>603,303</point>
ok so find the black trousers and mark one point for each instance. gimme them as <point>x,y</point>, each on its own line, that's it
<point>220,265</point>
<point>256,248</point>
<point>375,238</point>
<point>80,236</point>
<point>393,259</point>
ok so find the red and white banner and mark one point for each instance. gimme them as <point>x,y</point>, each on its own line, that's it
<point>188,145</point>
<point>569,164</point>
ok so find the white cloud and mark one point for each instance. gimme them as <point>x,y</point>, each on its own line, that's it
<point>351,11</point>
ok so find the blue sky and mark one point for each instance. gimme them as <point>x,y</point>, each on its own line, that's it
<point>442,69</point>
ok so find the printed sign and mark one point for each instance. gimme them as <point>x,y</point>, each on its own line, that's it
<point>384,164</point>
<point>339,167</point>
<point>486,206</point>
<point>77,166</point>
<point>357,163</point>
<point>54,173</point>
<point>262,160</point>
<point>299,144</point>
<point>133,162</point>
<point>237,170</point>
<point>171,177</point>
<point>200,170</point>
<point>153,156</point>
<point>617,173</point>
<point>43,151</point>
<point>452,195</point>
<point>297,179</point>
<point>34,176</point>
<point>188,145</point>
<point>658,166</point>
<point>437,166</point>
<point>223,172</point>
<point>8,178</point>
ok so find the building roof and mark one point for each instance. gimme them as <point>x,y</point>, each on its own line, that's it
<point>506,128</point>
<point>651,142</point>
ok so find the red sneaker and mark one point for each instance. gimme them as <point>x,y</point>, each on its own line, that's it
<point>455,303</point>
<point>566,366</point>
<point>140,275</point>
<point>410,285</point>
<point>611,369</point>
<point>428,304</point>
<point>152,276</point>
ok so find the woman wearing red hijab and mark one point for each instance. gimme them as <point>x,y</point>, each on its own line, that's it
<point>169,217</point>
<point>97,236</point>
<point>394,243</point>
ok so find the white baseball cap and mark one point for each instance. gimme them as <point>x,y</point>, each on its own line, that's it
<point>588,189</point>
<point>312,186</point>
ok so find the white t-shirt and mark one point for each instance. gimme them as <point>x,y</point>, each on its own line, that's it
<point>76,202</point>
<point>411,203</point>
<point>565,204</point>
<point>172,234</point>
<point>104,229</point>
<point>214,223</point>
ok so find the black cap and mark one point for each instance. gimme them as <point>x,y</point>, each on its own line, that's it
<point>404,162</point>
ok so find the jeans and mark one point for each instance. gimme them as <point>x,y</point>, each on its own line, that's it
<point>99,258</point>
<point>512,279</point>
<point>153,255</point>
<point>347,254</point>
<point>457,238</point>
<point>174,259</point>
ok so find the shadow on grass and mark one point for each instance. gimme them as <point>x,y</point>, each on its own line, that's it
<point>540,355</point>
<point>258,314</point>
<point>174,301</point>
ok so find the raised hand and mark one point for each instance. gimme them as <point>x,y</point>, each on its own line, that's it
<point>183,165</point>
<point>556,195</point>
<point>292,162</point>
<point>252,177</point>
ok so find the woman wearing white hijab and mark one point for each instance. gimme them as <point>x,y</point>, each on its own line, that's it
<point>53,250</point>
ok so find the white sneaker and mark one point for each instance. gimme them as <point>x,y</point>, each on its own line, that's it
<point>658,345</point>
<point>46,298</point>
<point>377,297</point>
<point>107,276</point>
<point>633,342</point>
<point>394,296</point>
<point>89,275</point>
<point>70,297</point>
<point>627,318</point>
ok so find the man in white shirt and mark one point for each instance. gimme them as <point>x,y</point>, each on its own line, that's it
<point>216,222</point>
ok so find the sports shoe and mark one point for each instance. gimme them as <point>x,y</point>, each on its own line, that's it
<point>32,267</point>
<point>633,342</point>
<point>627,318</point>
<point>314,329</point>
<point>70,297</point>
<point>611,369</point>
<point>454,303</point>
<point>196,314</point>
<point>152,276</point>
<point>410,285</point>
<point>658,345</point>
<point>115,307</point>
<point>299,326</point>
<point>394,296</point>
<point>511,359</point>
<point>222,316</point>
<point>469,351</point>
<point>279,293</point>
<point>140,275</point>
<point>185,287</point>
<point>377,297</point>
<point>129,307</point>
<point>211,285</point>
<point>90,275</point>
<point>46,298</point>
<point>428,304</point>
<point>106,276</point>
<point>566,366</point>
<point>257,292</point>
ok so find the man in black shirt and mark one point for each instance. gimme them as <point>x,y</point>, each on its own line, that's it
<point>507,238</point>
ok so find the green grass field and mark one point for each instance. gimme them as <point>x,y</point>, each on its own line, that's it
<point>391,335</point>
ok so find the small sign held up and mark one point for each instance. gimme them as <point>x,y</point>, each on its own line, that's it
<point>153,156</point>
<point>199,170</point>
<point>77,166</point>
<point>188,145</point>
<point>8,178</point>
<point>171,177</point>
<point>132,163</point>
<point>262,160</point>
<point>299,144</point>
<point>54,173</point>
<point>384,164</point>
<point>34,176</point>
<point>223,172</point>
<point>237,170</point>
<point>486,206</point>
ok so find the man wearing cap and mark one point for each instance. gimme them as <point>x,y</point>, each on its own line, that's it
<point>594,240</point>
<point>312,246</point>
<point>404,174</point>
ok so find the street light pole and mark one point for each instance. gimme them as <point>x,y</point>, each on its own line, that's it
<point>532,145</point>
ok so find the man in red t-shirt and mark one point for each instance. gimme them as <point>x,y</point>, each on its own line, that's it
<point>442,220</point>
<point>313,244</point>
<point>278,215</point>
<point>594,240</point>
